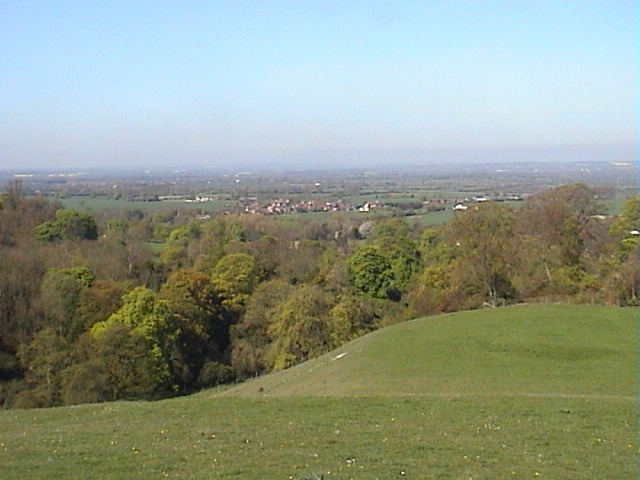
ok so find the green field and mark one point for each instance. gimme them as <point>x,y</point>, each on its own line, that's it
<point>521,392</point>
<point>99,204</point>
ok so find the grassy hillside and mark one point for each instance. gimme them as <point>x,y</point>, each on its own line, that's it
<point>524,350</point>
<point>523,392</point>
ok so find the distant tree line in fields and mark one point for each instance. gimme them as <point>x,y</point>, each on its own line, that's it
<point>130,304</point>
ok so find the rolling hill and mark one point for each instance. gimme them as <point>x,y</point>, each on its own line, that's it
<point>543,391</point>
<point>522,350</point>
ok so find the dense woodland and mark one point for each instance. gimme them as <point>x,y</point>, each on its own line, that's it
<point>120,305</point>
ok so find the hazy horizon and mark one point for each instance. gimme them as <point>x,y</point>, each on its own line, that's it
<point>315,83</point>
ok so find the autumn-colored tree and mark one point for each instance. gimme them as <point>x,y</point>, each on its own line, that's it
<point>96,304</point>
<point>20,282</point>
<point>485,251</point>
<point>13,195</point>
<point>264,251</point>
<point>565,238</point>
<point>19,215</point>
<point>558,217</point>
<point>302,261</point>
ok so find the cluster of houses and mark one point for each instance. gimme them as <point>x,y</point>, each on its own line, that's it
<point>279,206</point>
<point>286,205</point>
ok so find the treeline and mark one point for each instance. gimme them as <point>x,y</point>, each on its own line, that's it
<point>121,305</point>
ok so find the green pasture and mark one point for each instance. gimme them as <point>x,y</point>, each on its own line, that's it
<point>521,350</point>
<point>521,392</point>
<point>98,204</point>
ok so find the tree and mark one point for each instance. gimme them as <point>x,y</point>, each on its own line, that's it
<point>203,327</point>
<point>403,257</point>
<point>299,330</point>
<point>97,303</point>
<point>68,225</point>
<point>332,271</point>
<point>124,363</point>
<point>565,241</point>
<point>393,227</point>
<point>150,324</point>
<point>235,277</point>
<point>626,227</point>
<point>350,318</point>
<point>433,290</point>
<point>302,261</point>
<point>43,360</point>
<point>559,217</point>
<point>61,289</point>
<point>19,216</point>
<point>370,273</point>
<point>623,281</point>
<point>250,338</point>
<point>485,241</point>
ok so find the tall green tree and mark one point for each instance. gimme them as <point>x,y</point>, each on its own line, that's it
<point>68,225</point>
<point>44,359</point>
<point>235,277</point>
<point>300,329</point>
<point>348,319</point>
<point>151,323</point>
<point>370,272</point>
<point>403,257</point>
<point>201,321</point>
<point>250,337</point>
<point>61,290</point>
<point>123,364</point>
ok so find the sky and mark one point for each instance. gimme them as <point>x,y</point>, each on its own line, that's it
<point>315,83</point>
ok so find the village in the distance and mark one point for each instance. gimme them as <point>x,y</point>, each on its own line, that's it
<point>267,191</point>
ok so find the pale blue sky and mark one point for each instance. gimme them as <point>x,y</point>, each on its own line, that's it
<point>315,83</point>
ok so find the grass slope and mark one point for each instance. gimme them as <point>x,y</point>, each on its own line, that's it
<point>523,350</point>
<point>559,404</point>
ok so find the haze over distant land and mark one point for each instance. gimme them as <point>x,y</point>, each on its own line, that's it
<point>318,83</point>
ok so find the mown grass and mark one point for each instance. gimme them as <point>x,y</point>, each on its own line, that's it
<point>571,414</point>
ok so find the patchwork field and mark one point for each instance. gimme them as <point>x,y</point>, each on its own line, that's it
<point>520,392</point>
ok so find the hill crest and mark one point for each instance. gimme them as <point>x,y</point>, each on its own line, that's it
<point>526,350</point>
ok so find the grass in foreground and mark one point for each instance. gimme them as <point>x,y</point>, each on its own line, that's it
<point>526,392</point>
<point>359,438</point>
